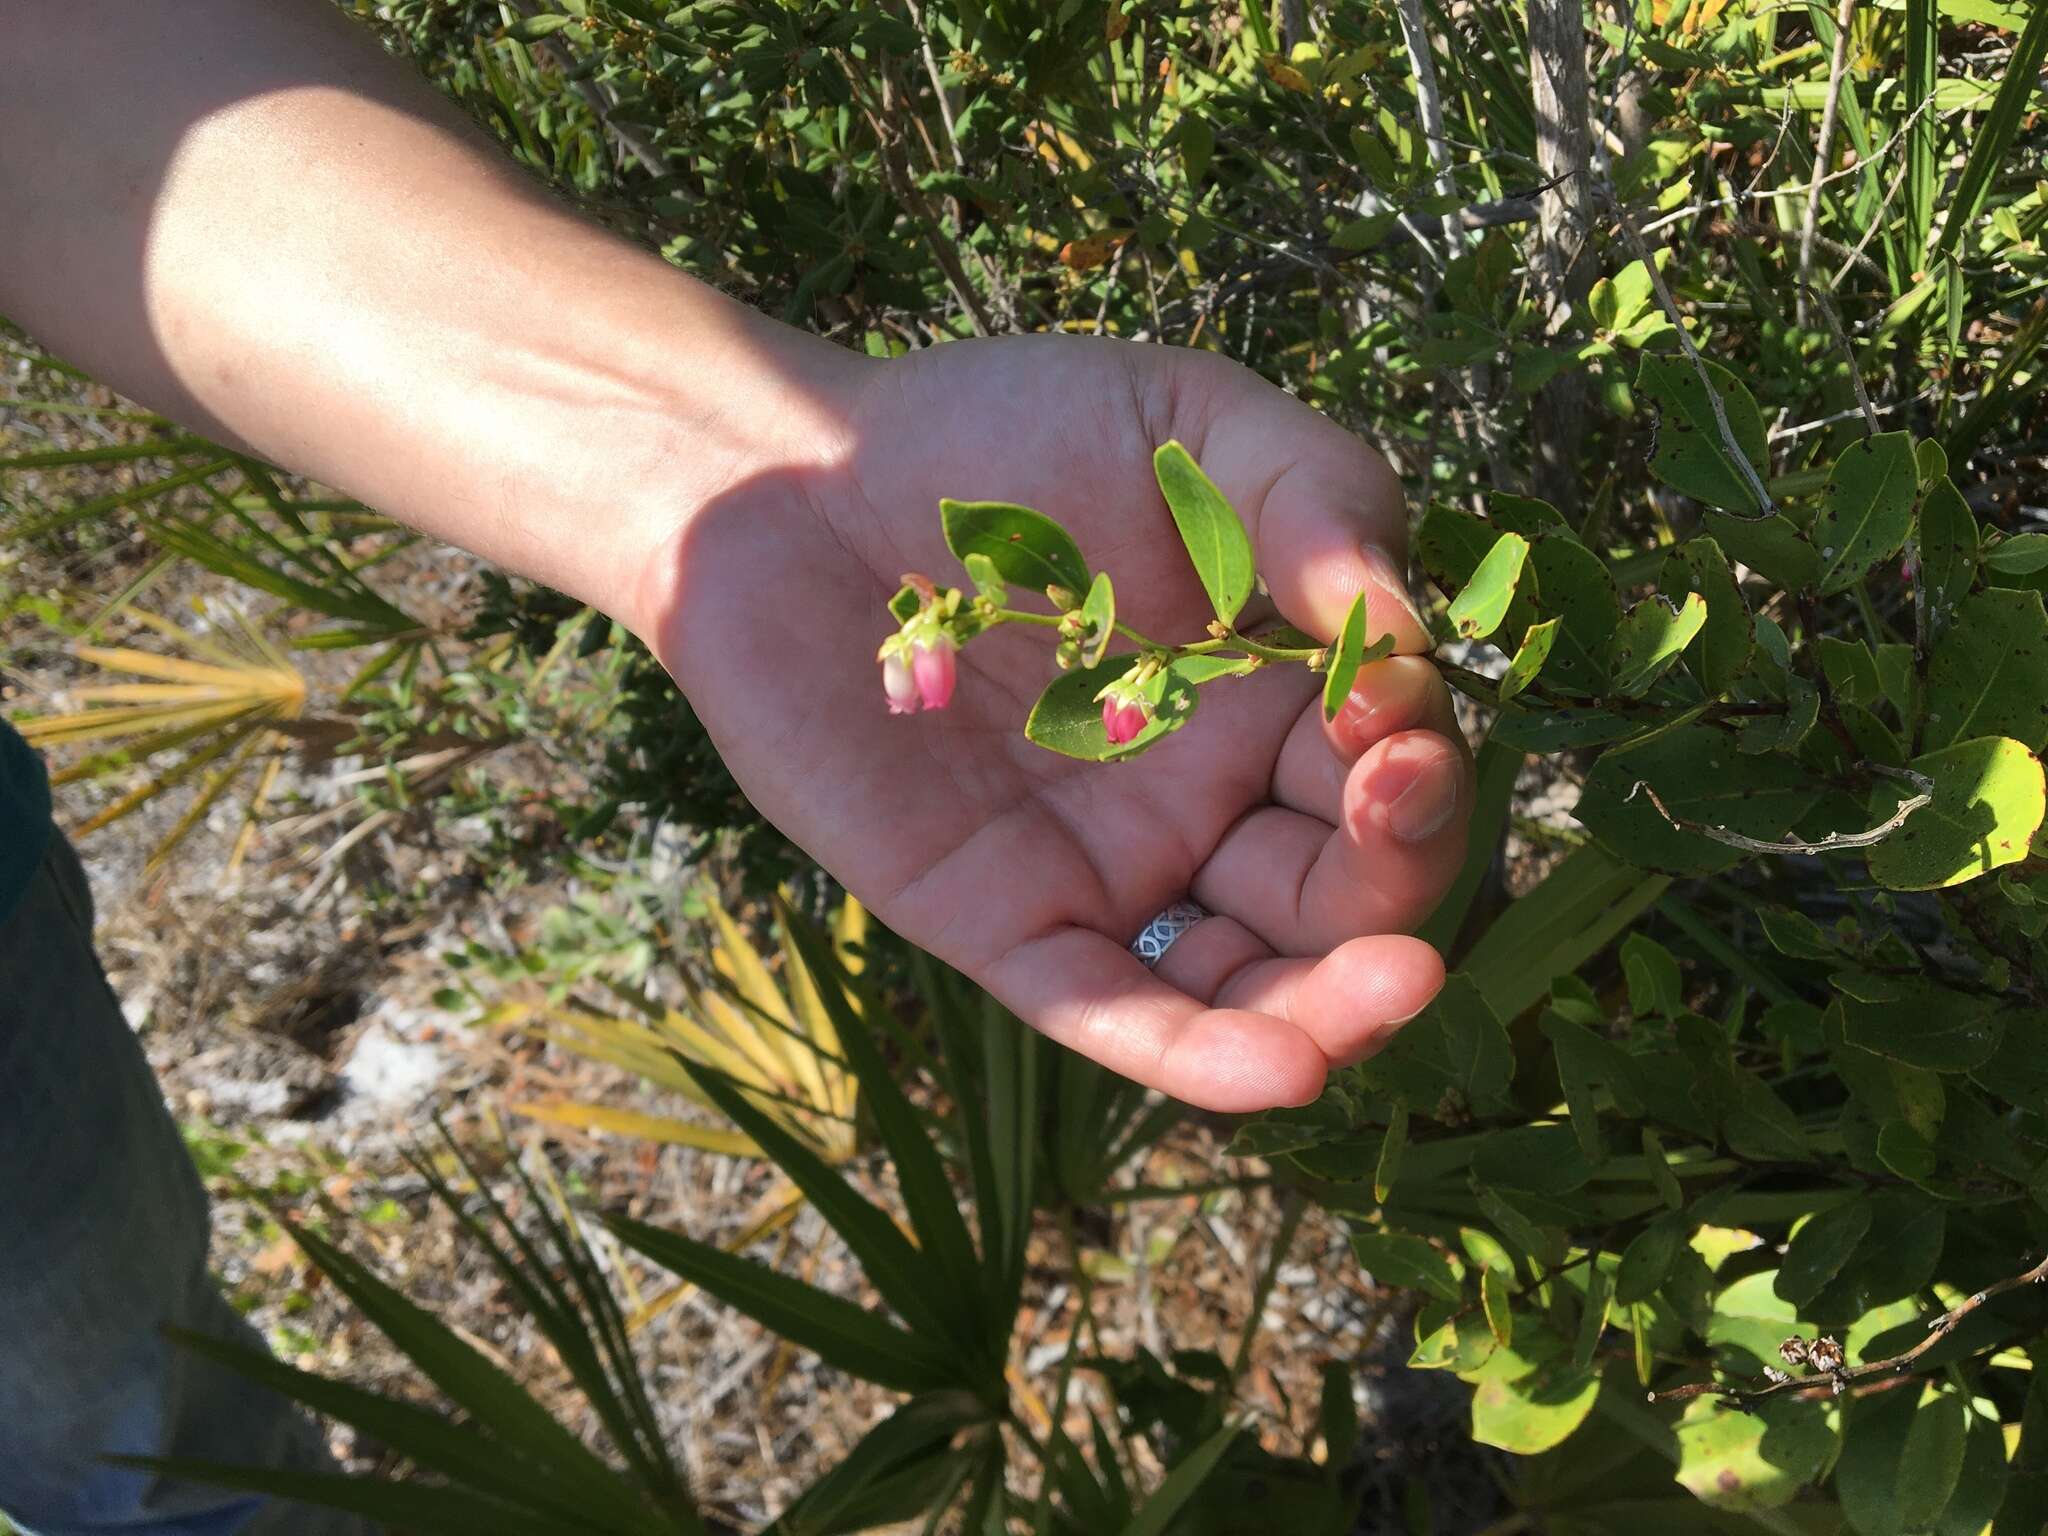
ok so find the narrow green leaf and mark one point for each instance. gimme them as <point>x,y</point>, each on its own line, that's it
<point>1496,1300</point>
<point>1341,670</point>
<point>841,1334</point>
<point>1027,548</point>
<point>1867,510</point>
<point>1210,528</point>
<point>1593,1317</point>
<point>944,1246</point>
<point>1156,1514</point>
<point>987,580</point>
<point>1479,609</point>
<point>1392,1145</point>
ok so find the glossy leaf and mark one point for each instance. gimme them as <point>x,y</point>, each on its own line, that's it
<point>1932,1460</point>
<point>1745,1462</point>
<point>2022,554</point>
<point>1067,718</point>
<point>1480,607</point>
<point>1530,1412</point>
<point>1392,1145</point>
<point>1867,510</point>
<point>1027,548</point>
<point>1210,528</point>
<point>1394,1258</point>
<point>1496,1300</point>
<point>1819,1249</point>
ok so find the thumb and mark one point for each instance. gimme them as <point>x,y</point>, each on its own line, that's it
<point>1326,513</point>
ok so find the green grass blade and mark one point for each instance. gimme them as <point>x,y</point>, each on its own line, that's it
<point>892,1474</point>
<point>1995,134</point>
<point>838,1332</point>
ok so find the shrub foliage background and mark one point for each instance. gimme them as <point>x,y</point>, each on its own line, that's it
<point>1707,334</point>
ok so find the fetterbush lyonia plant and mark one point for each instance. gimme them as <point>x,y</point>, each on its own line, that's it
<point>1103,707</point>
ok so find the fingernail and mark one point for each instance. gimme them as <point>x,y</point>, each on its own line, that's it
<point>1423,809</point>
<point>1391,579</point>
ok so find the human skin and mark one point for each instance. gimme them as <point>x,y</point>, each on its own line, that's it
<point>244,214</point>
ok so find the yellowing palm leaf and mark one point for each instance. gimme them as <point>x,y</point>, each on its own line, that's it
<point>220,700</point>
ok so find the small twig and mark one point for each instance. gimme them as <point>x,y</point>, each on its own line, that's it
<point>1827,311</point>
<point>1429,100</point>
<point>1835,1382</point>
<point>1641,252</point>
<point>1834,842</point>
<point>1838,73</point>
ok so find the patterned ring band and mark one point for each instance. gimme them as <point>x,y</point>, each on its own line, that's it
<point>1157,936</point>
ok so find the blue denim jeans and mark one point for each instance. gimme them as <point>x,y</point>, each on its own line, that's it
<point>103,1232</point>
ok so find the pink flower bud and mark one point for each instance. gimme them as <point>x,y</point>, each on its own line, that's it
<point>1122,720</point>
<point>898,684</point>
<point>933,668</point>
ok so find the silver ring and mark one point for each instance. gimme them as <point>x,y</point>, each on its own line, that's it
<point>1157,936</point>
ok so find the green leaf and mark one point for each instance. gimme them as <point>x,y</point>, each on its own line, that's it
<point>1394,1258</point>
<point>1873,1444</point>
<point>1479,609</point>
<point>1345,657</point>
<point>1587,1066</point>
<point>1182,1484</point>
<point>1457,1046</point>
<point>1697,773</point>
<point>1918,1021</point>
<point>857,1341</point>
<point>890,1473</point>
<point>531,29</point>
<point>1067,718</point>
<point>1027,548</point>
<point>1209,527</point>
<point>1650,639</point>
<point>1560,730</point>
<point>490,1396</point>
<point>1496,1300</point>
<point>1746,1462</point>
<point>1529,657</point>
<point>1867,510</point>
<point>1691,457</point>
<point>1932,1460</point>
<point>1593,1316</point>
<point>1989,675</point>
<point>1647,1259</point>
<point>891,1261</point>
<point>1993,135</point>
<point>1543,1159</point>
<point>1773,546</point>
<point>1527,1410</point>
<point>1655,983</point>
<point>1721,650</point>
<point>1392,1145</point>
<point>2020,555</point>
<point>1098,616</point>
<point>1450,544</point>
<point>1573,584</point>
<point>982,572</point>
<point>1819,1249</point>
<point>1982,1484</point>
<point>1948,553</point>
<point>1989,800</point>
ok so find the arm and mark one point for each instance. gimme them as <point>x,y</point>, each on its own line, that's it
<point>242,213</point>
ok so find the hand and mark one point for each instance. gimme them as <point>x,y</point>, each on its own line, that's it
<point>1313,846</point>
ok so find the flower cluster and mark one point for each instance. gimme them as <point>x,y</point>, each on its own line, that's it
<point>918,664</point>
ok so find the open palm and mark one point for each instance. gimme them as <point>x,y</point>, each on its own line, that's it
<point>1312,846</point>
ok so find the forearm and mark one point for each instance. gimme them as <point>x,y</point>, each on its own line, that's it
<point>244,214</point>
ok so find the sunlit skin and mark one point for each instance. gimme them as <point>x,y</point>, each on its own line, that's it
<point>291,244</point>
